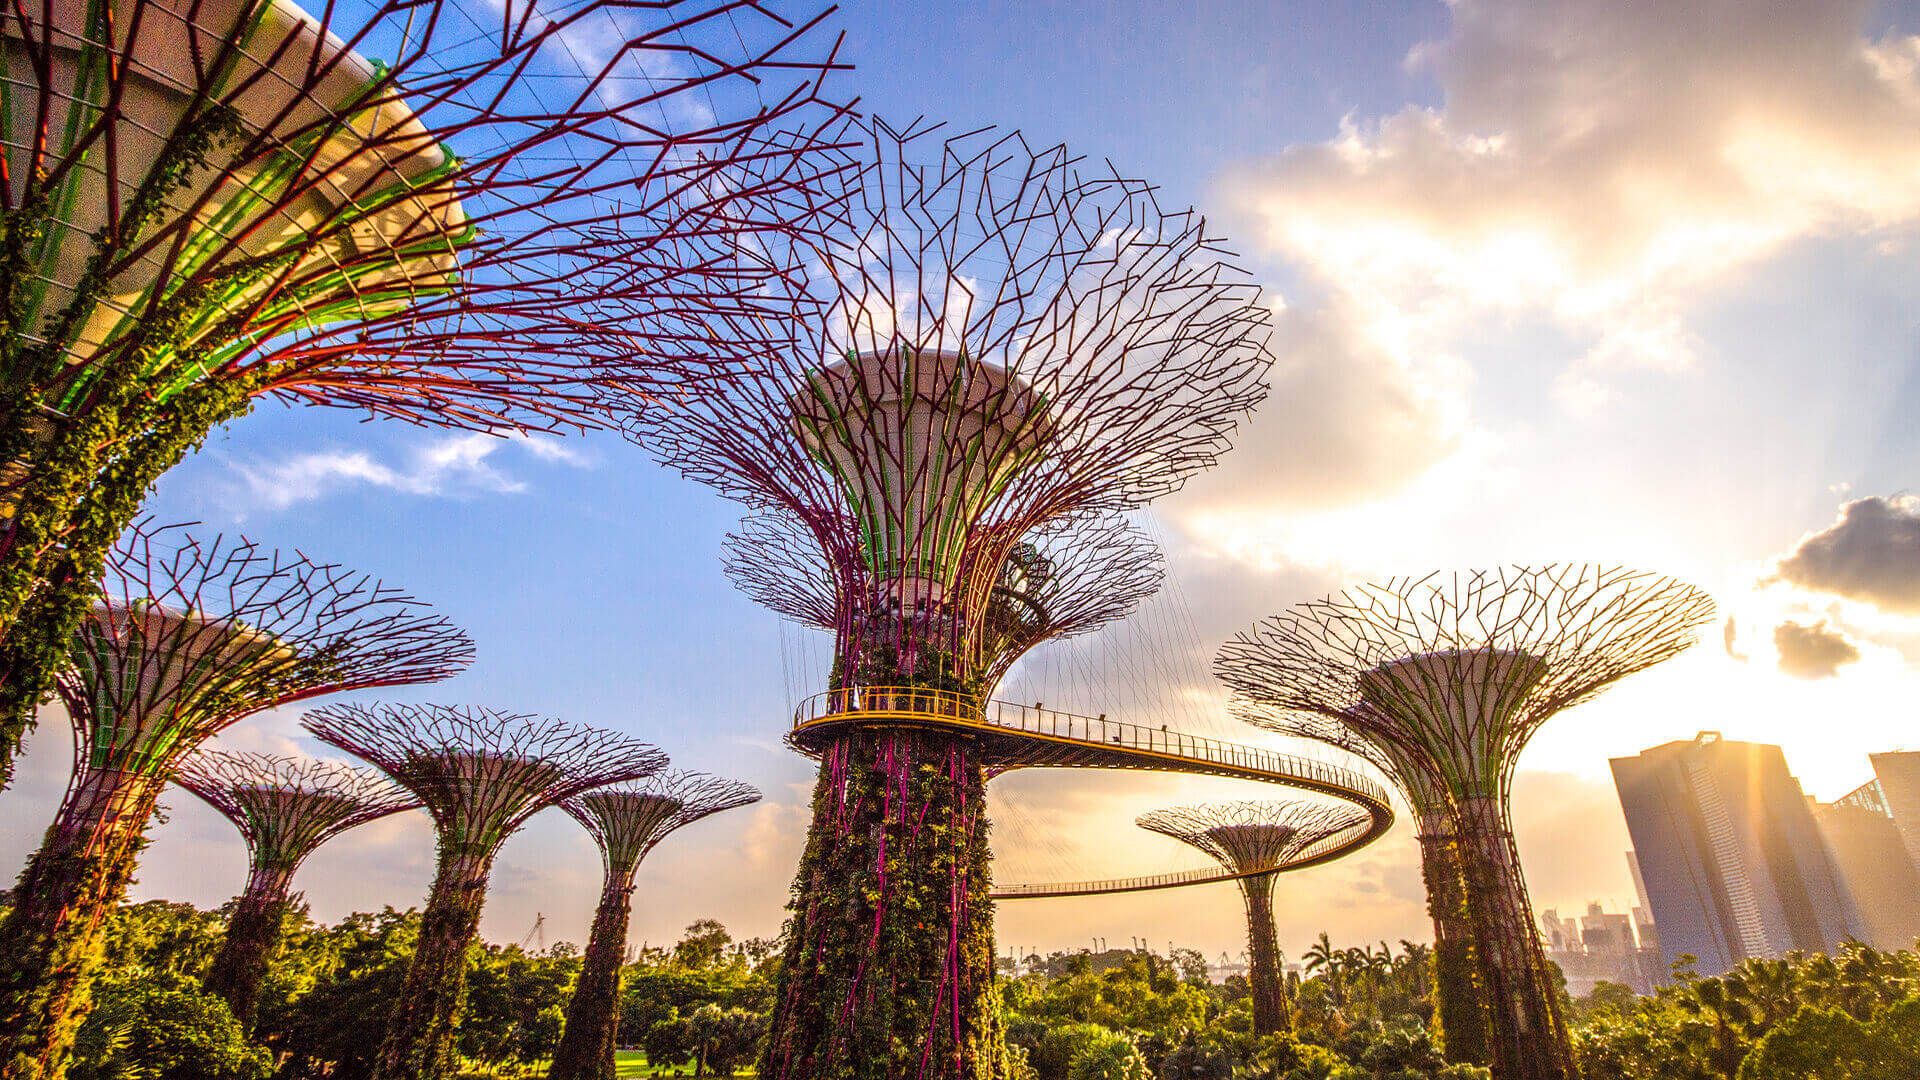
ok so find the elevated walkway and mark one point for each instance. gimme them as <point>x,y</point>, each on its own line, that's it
<point>1013,736</point>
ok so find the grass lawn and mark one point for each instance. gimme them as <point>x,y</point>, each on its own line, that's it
<point>634,1063</point>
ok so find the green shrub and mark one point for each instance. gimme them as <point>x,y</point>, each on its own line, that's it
<point>164,1028</point>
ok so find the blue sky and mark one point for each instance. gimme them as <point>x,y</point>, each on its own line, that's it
<point>1559,280</point>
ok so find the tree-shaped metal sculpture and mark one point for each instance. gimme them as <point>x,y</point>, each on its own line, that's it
<point>984,340</point>
<point>208,201</point>
<point>187,637</point>
<point>627,820</point>
<point>1064,581</point>
<point>1456,672</point>
<point>481,773</point>
<point>1257,841</point>
<point>1460,1002</point>
<point>285,808</point>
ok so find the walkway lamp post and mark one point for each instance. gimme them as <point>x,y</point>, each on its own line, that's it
<point>1456,672</point>
<point>285,808</point>
<point>481,773</point>
<point>187,637</point>
<point>984,339</point>
<point>627,821</point>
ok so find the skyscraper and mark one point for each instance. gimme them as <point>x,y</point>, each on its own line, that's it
<point>1882,880</point>
<point>1734,865</point>
<point>1898,772</point>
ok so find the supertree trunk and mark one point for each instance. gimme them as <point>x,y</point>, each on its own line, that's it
<point>50,941</point>
<point>593,1013</point>
<point>252,933</point>
<point>888,969</point>
<point>1459,1003</point>
<point>419,1044</point>
<point>1528,1034</point>
<point>1263,950</point>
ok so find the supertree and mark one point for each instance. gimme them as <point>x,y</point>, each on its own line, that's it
<point>481,773</point>
<point>210,201</point>
<point>1460,1003</point>
<point>982,339</point>
<point>1257,841</point>
<point>626,820</point>
<point>186,637</point>
<point>285,808</point>
<point>1062,581</point>
<point>1456,672</point>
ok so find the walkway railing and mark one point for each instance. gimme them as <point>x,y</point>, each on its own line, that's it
<point>952,709</point>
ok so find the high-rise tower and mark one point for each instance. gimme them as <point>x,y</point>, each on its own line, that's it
<point>1733,861</point>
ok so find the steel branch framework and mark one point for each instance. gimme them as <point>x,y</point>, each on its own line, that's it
<point>626,820</point>
<point>481,773</point>
<point>1063,581</point>
<point>1256,841</point>
<point>975,341</point>
<point>1443,680</point>
<point>187,637</point>
<point>285,808</point>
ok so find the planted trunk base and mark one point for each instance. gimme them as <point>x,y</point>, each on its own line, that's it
<point>419,1043</point>
<point>593,1013</point>
<point>1263,951</point>
<point>1459,1002</point>
<point>253,931</point>
<point>888,970</point>
<point>50,941</point>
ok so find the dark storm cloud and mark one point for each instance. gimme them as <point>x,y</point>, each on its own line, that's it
<point>1871,554</point>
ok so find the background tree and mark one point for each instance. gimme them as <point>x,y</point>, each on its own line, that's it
<point>211,201</point>
<point>627,821</point>
<point>164,1029</point>
<point>1458,672</point>
<point>186,638</point>
<point>285,808</point>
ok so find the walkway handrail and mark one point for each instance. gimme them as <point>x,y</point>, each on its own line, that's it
<point>882,702</point>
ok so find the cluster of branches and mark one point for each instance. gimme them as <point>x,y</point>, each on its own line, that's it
<point>1247,836</point>
<point>982,338</point>
<point>1440,682</point>
<point>1064,580</point>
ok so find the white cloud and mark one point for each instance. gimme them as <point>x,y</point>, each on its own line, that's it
<point>1601,165</point>
<point>451,465</point>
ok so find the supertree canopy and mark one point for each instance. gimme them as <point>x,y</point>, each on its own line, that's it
<point>1459,1002</point>
<point>186,637</point>
<point>1456,673</point>
<point>208,201</point>
<point>481,773</point>
<point>285,808</point>
<point>1256,841</point>
<point>627,820</point>
<point>1064,580</point>
<point>980,340</point>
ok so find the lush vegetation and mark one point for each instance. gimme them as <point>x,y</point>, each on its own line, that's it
<point>700,1008</point>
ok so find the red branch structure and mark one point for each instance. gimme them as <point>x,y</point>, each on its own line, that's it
<point>481,773</point>
<point>187,637</point>
<point>1453,674</point>
<point>627,821</point>
<point>209,201</point>
<point>1258,841</point>
<point>1063,581</point>
<point>974,342</point>
<point>285,808</point>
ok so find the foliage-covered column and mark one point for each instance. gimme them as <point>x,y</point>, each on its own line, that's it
<point>889,965</point>
<point>1529,1034</point>
<point>593,1013</point>
<point>1263,952</point>
<point>48,942</point>
<point>420,1031</point>
<point>1459,1001</point>
<point>253,930</point>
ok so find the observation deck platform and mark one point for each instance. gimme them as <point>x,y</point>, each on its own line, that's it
<point>1014,736</point>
